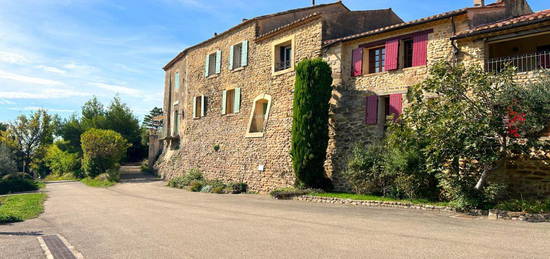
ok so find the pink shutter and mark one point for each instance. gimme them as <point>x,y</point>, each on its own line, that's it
<point>372,109</point>
<point>357,62</point>
<point>396,104</point>
<point>392,54</point>
<point>420,49</point>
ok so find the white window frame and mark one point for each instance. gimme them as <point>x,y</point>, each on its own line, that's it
<point>258,134</point>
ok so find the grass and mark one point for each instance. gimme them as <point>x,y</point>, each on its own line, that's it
<point>364,197</point>
<point>16,208</point>
<point>64,177</point>
<point>97,182</point>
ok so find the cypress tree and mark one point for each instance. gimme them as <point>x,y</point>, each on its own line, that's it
<point>310,123</point>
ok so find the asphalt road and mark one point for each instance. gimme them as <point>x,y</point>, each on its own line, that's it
<point>144,219</point>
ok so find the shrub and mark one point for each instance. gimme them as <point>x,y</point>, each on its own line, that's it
<point>17,182</point>
<point>365,172</point>
<point>529,206</point>
<point>62,162</point>
<point>7,160</point>
<point>289,192</point>
<point>239,187</point>
<point>196,185</point>
<point>185,180</point>
<point>217,186</point>
<point>206,188</point>
<point>113,175</point>
<point>102,150</point>
<point>145,167</point>
<point>310,123</point>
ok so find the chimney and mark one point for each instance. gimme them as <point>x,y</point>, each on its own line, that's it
<point>479,3</point>
<point>313,2</point>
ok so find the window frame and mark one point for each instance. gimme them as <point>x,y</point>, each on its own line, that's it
<point>266,117</point>
<point>237,56</point>
<point>407,53</point>
<point>372,69</point>
<point>199,106</point>
<point>211,64</point>
<point>276,53</point>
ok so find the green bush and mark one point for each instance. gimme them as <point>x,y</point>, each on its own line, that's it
<point>62,162</point>
<point>238,187</point>
<point>102,150</point>
<point>145,167</point>
<point>289,192</point>
<point>196,185</point>
<point>185,180</point>
<point>529,206</point>
<point>365,171</point>
<point>312,93</point>
<point>13,183</point>
<point>216,186</point>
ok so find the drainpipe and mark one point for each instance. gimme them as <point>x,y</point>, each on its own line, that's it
<point>456,50</point>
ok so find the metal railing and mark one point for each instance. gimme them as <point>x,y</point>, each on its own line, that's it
<point>282,65</point>
<point>522,63</point>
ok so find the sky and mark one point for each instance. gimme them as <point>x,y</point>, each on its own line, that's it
<point>57,54</point>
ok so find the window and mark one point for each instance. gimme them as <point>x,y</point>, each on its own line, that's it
<point>259,116</point>
<point>231,101</point>
<point>407,53</point>
<point>377,58</point>
<point>283,55</point>
<point>238,55</point>
<point>176,120</point>
<point>199,107</point>
<point>177,79</point>
<point>379,107</point>
<point>213,63</point>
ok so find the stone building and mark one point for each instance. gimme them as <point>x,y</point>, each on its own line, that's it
<point>228,100</point>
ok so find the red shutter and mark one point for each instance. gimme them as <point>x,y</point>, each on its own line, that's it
<point>392,54</point>
<point>357,62</point>
<point>420,49</point>
<point>372,109</point>
<point>396,104</point>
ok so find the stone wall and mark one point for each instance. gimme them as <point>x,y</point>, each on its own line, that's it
<point>348,105</point>
<point>239,157</point>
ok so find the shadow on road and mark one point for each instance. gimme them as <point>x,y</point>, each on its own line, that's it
<point>133,174</point>
<point>26,233</point>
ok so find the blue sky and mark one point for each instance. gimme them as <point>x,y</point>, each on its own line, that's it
<point>56,54</point>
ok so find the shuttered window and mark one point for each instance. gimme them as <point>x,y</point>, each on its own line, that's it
<point>231,100</point>
<point>392,55</point>
<point>213,63</point>
<point>408,52</point>
<point>420,49</point>
<point>396,105</point>
<point>377,56</point>
<point>238,55</point>
<point>357,62</point>
<point>371,117</point>
<point>199,106</point>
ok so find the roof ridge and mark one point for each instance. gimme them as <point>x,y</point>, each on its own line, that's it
<point>299,9</point>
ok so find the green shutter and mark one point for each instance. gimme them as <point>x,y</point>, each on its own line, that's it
<point>194,107</point>
<point>244,53</point>
<point>206,63</point>
<point>237,101</point>
<point>224,96</point>
<point>218,61</point>
<point>231,50</point>
<point>177,80</point>
<point>203,103</point>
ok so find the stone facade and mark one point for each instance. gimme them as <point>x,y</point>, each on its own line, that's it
<point>219,144</point>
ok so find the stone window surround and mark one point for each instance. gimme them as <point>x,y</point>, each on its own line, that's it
<point>258,134</point>
<point>274,57</point>
<point>214,74</point>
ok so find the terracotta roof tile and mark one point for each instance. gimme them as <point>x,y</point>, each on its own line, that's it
<point>516,21</point>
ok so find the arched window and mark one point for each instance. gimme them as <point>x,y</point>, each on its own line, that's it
<point>259,116</point>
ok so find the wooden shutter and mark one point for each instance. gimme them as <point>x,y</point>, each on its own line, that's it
<point>396,105</point>
<point>177,79</point>
<point>244,53</point>
<point>392,55</point>
<point>237,100</point>
<point>420,49</point>
<point>372,110</point>
<point>357,62</point>
<point>231,50</point>
<point>224,104</point>
<point>194,107</point>
<point>218,61</point>
<point>203,108</point>
<point>206,65</point>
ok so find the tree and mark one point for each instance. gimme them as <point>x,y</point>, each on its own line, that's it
<point>7,160</point>
<point>473,122</point>
<point>102,150</point>
<point>61,162</point>
<point>149,121</point>
<point>31,133</point>
<point>70,130</point>
<point>3,126</point>
<point>121,119</point>
<point>93,115</point>
<point>310,123</point>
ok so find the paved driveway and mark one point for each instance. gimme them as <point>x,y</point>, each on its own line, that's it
<point>144,219</point>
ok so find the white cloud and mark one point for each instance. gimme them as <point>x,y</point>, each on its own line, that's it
<point>52,69</point>
<point>12,58</point>
<point>35,108</point>
<point>50,93</point>
<point>118,89</point>
<point>28,79</point>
